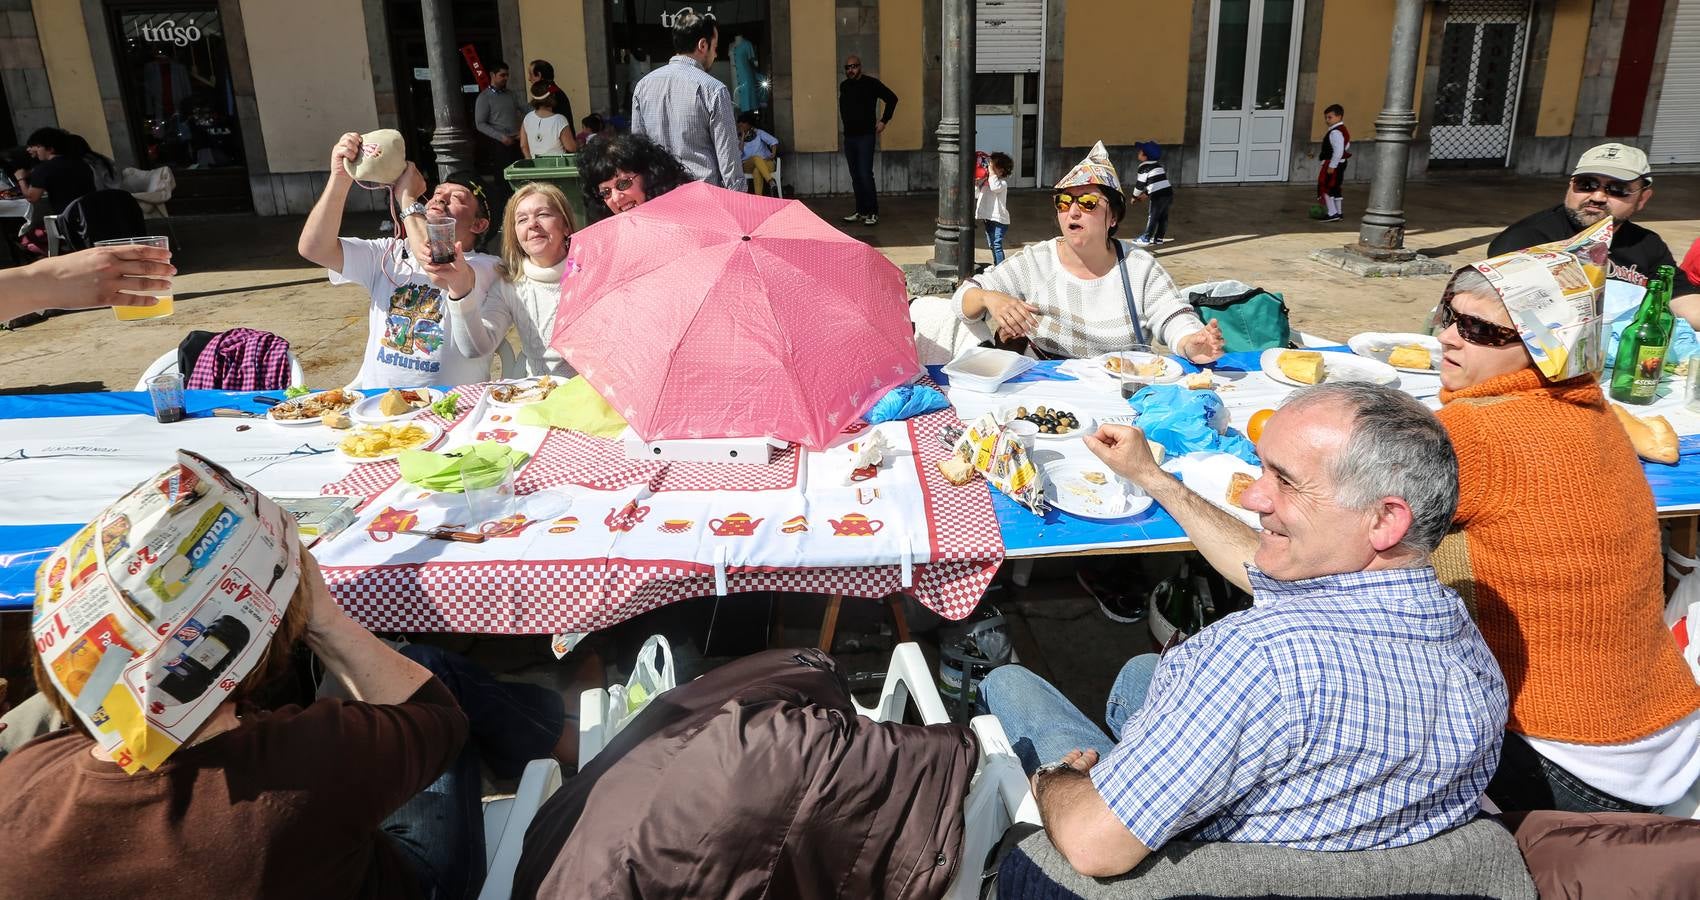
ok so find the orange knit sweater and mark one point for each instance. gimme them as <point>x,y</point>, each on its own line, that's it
<point>1563,568</point>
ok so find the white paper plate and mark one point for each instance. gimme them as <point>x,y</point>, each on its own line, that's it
<point>1336,367</point>
<point>366,411</point>
<point>292,423</point>
<point>1086,426</point>
<point>433,431</point>
<point>1172,370</point>
<point>985,369</point>
<point>1378,346</point>
<point>1067,490</point>
<point>524,382</point>
<point>1208,474</point>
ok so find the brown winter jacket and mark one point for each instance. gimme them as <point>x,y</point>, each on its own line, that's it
<point>757,780</point>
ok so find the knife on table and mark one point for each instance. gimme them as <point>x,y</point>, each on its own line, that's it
<point>444,534</point>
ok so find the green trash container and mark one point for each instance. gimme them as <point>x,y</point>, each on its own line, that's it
<point>560,171</point>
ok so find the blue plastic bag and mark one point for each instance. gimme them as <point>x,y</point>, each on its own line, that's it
<point>1186,421</point>
<point>906,402</point>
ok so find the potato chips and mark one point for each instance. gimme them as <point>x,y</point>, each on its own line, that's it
<point>379,440</point>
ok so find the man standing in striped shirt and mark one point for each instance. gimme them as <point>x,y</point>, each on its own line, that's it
<point>1355,707</point>
<point>683,108</point>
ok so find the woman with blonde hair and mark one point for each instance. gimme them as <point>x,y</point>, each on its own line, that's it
<point>536,229</point>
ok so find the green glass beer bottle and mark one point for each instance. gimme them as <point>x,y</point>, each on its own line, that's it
<point>1640,361</point>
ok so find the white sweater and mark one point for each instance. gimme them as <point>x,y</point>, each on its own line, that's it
<point>1080,318</point>
<point>528,303</point>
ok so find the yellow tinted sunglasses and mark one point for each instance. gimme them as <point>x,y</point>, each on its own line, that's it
<point>1088,202</point>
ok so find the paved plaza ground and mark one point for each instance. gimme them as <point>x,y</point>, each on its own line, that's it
<point>244,271</point>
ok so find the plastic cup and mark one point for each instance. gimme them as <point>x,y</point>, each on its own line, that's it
<point>489,487</point>
<point>440,240</point>
<point>166,392</point>
<point>163,303</point>
<point>1025,433</point>
<point>1131,382</point>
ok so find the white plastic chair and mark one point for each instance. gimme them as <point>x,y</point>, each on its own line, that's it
<point>778,172</point>
<point>167,363</point>
<point>998,794</point>
<point>511,367</point>
<point>505,821</point>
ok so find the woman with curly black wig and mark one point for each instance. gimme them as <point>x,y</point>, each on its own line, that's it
<point>624,171</point>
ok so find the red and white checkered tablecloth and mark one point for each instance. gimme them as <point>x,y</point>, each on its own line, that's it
<point>421,585</point>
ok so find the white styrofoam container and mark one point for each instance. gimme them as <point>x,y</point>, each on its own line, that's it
<point>731,450</point>
<point>984,369</point>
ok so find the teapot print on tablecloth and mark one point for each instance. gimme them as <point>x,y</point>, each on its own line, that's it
<point>855,525</point>
<point>626,517</point>
<point>735,525</point>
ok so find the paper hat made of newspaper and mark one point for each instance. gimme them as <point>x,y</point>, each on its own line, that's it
<point>1553,293</point>
<point>1096,168</point>
<point>149,616</point>
<point>383,157</point>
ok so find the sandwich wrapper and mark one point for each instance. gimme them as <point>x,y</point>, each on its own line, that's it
<point>996,453</point>
<point>1553,293</point>
<point>574,406</point>
<point>148,617</point>
<point>441,472</point>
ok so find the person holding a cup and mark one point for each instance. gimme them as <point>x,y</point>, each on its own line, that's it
<point>118,276</point>
<point>417,324</point>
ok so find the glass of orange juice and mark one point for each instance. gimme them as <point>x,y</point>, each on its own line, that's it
<point>161,307</point>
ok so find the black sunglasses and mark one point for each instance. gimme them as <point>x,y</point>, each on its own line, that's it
<point>1477,331</point>
<point>849,66</point>
<point>1587,184</point>
<point>620,184</point>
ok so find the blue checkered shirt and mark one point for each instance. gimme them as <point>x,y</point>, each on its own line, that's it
<point>1349,712</point>
<point>689,111</point>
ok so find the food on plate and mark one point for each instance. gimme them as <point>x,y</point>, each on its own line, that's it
<point>296,390</point>
<point>1049,420</point>
<point>1199,381</point>
<point>525,391</point>
<point>397,402</point>
<point>447,407</point>
<point>1096,477</point>
<point>379,440</point>
<point>314,406</point>
<point>1236,486</point>
<point>1653,438</point>
<point>1158,451</point>
<point>1303,366</point>
<point>1125,365</point>
<point>956,470</point>
<point>337,419</point>
<point>1410,356</point>
<point>1254,428</point>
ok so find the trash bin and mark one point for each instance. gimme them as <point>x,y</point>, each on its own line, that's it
<point>560,171</point>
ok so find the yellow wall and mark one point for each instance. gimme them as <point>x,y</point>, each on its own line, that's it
<point>1104,96</point>
<point>554,30</point>
<point>70,70</point>
<point>1352,71</point>
<point>312,81</point>
<point>1564,68</point>
<point>814,75</point>
<point>900,69</point>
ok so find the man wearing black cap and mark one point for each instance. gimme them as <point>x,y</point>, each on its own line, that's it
<point>421,313</point>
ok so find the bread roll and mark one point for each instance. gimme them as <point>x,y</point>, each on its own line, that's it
<point>1653,438</point>
<point>1303,366</point>
<point>1236,486</point>
<point>956,470</point>
<point>1410,356</point>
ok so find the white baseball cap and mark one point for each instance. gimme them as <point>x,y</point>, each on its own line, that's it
<point>1620,161</point>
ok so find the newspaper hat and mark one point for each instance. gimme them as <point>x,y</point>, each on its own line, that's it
<point>1553,293</point>
<point>383,157</point>
<point>147,618</point>
<point>1096,168</point>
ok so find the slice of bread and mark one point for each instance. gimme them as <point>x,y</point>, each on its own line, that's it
<point>1410,356</point>
<point>1303,366</point>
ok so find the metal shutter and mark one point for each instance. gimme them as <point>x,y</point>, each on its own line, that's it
<point>1009,35</point>
<point>1676,129</point>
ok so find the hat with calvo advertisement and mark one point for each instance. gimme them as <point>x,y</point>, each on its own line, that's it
<point>150,616</point>
<point>1620,161</point>
<point>1553,295</point>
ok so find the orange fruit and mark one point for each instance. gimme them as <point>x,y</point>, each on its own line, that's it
<point>1254,428</point>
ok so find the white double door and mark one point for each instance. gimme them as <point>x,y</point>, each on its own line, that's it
<point>1250,75</point>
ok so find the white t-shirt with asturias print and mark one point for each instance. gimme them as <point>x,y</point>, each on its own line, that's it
<point>415,336</point>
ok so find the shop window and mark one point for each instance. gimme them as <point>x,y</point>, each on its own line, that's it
<point>177,88</point>
<point>640,39</point>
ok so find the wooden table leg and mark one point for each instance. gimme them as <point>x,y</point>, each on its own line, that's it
<point>829,622</point>
<point>899,621</point>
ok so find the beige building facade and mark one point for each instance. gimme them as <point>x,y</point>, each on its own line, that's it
<point>244,97</point>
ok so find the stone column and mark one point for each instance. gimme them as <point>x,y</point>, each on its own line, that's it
<point>452,139</point>
<point>1383,227</point>
<point>956,136</point>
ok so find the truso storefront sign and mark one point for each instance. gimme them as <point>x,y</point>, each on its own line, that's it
<point>169,32</point>
<point>668,18</point>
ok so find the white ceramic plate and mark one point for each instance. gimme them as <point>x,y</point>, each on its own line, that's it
<point>1378,346</point>
<point>434,433</point>
<point>1208,474</point>
<point>1172,370</point>
<point>366,411</point>
<point>1067,489</point>
<point>1086,426</point>
<point>1336,367</point>
<point>522,382</point>
<point>291,423</point>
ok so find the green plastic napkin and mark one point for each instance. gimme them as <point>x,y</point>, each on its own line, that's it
<point>441,472</point>
<point>575,406</point>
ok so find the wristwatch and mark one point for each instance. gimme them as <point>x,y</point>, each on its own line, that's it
<point>417,209</point>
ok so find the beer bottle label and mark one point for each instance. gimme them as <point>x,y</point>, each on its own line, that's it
<point>1649,369</point>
